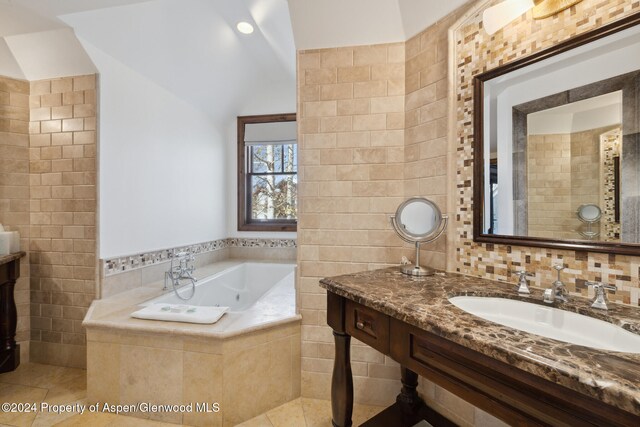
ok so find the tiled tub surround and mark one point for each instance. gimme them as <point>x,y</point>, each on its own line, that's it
<point>14,188</point>
<point>248,362</point>
<point>127,272</point>
<point>611,377</point>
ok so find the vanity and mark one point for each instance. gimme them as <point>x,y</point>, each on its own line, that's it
<point>9,273</point>
<point>520,378</point>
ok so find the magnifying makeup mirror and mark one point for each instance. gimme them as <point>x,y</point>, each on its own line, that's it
<point>418,220</point>
<point>589,214</point>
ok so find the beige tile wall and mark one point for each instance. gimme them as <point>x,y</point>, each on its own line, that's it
<point>427,155</point>
<point>247,375</point>
<point>549,187</point>
<point>585,171</point>
<point>14,188</point>
<point>62,165</point>
<point>427,170</point>
<point>351,161</point>
<point>563,174</point>
<point>435,163</point>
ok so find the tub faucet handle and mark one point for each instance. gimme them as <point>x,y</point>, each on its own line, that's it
<point>600,300</point>
<point>523,286</point>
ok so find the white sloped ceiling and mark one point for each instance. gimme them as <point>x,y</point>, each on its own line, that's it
<point>191,47</point>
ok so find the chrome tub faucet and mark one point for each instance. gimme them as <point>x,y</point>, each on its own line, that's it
<point>182,271</point>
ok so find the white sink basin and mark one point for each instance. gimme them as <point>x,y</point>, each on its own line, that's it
<point>551,323</point>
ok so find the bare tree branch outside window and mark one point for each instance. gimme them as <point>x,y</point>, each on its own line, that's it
<point>273,181</point>
<point>267,173</point>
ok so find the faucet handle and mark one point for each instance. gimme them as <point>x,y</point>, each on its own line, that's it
<point>523,286</point>
<point>559,268</point>
<point>600,300</point>
<point>606,286</point>
<point>521,273</point>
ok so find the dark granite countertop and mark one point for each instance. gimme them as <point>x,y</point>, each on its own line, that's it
<point>5,259</point>
<point>611,377</point>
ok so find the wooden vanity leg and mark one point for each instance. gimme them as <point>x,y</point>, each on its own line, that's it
<point>408,399</point>
<point>342,382</point>
<point>9,350</point>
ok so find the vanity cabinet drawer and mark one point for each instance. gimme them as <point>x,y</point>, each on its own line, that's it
<point>367,325</point>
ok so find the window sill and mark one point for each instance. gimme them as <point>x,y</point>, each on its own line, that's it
<point>272,227</point>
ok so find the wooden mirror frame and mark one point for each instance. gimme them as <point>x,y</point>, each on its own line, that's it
<point>478,148</point>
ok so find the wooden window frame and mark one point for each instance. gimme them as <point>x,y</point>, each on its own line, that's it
<point>244,216</point>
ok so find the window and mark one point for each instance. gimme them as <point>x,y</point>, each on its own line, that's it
<point>267,173</point>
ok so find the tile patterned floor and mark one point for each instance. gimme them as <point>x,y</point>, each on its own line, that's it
<point>305,412</point>
<point>37,383</point>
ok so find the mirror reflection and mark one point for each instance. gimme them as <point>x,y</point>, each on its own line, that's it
<point>561,153</point>
<point>419,218</point>
<point>567,163</point>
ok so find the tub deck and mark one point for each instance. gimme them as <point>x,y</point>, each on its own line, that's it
<point>254,353</point>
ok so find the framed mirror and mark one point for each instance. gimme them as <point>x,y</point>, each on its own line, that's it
<point>418,220</point>
<point>557,145</point>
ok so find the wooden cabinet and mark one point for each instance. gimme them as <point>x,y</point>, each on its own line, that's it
<point>9,349</point>
<point>511,394</point>
<point>367,325</point>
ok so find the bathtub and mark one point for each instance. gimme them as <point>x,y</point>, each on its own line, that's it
<point>253,350</point>
<point>239,287</point>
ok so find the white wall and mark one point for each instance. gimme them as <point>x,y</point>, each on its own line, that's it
<point>173,77</point>
<point>546,123</point>
<point>363,22</point>
<point>162,165</point>
<point>9,67</point>
<point>50,54</point>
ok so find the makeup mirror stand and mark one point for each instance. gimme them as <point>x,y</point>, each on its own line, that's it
<point>417,269</point>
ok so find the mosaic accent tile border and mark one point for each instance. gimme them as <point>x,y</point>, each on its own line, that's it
<point>611,145</point>
<point>476,52</point>
<point>132,262</point>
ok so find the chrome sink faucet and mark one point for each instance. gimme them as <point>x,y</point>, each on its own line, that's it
<point>557,291</point>
<point>600,300</point>
<point>523,286</point>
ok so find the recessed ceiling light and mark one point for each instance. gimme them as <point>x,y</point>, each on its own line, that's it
<point>245,27</point>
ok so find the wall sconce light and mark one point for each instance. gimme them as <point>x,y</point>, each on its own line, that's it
<point>498,16</point>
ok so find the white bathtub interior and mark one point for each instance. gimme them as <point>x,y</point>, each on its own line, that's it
<point>239,287</point>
